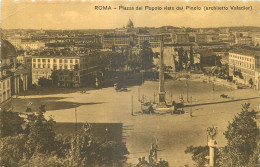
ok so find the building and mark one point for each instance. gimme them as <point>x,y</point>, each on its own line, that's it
<point>246,41</point>
<point>14,78</point>
<point>153,40</point>
<point>116,40</point>
<point>182,38</point>
<point>68,78</point>
<point>130,24</point>
<point>16,42</point>
<point>82,66</point>
<point>5,91</point>
<point>246,62</point>
<point>207,38</point>
<point>47,61</point>
<point>32,45</point>
<point>8,55</point>
<point>257,40</point>
<point>227,38</point>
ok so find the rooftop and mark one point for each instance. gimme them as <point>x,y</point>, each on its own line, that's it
<point>55,53</point>
<point>247,52</point>
<point>7,50</point>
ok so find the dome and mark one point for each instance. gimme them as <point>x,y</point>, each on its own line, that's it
<point>7,50</point>
<point>130,24</point>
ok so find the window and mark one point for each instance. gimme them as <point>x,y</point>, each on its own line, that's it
<point>39,60</point>
<point>54,61</point>
<point>49,66</point>
<point>71,66</point>
<point>60,67</point>
<point>4,85</point>
<point>71,61</point>
<point>43,66</point>
<point>65,67</point>
<point>44,60</point>
<point>55,67</point>
<point>76,61</point>
<point>49,60</point>
<point>4,96</point>
<point>39,66</point>
<point>34,66</point>
<point>60,60</point>
<point>66,61</point>
<point>34,60</point>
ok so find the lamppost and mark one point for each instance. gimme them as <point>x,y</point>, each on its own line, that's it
<point>187,86</point>
<point>213,85</point>
<point>171,97</point>
<point>76,121</point>
<point>132,105</point>
<point>191,106</point>
<point>154,95</point>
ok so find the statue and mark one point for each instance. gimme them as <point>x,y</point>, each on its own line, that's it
<point>212,132</point>
<point>87,127</point>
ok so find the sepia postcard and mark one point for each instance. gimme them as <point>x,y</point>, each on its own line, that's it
<point>88,83</point>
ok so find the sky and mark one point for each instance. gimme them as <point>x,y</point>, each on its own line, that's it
<point>58,14</point>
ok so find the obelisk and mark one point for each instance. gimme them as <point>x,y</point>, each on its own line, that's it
<point>162,103</point>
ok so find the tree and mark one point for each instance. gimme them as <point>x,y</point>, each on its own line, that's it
<point>239,74</point>
<point>116,60</point>
<point>198,154</point>
<point>146,56</point>
<point>41,136</point>
<point>76,67</point>
<point>10,123</point>
<point>54,77</point>
<point>251,82</point>
<point>133,64</point>
<point>12,150</point>
<point>44,82</point>
<point>242,140</point>
<point>185,59</point>
<point>88,151</point>
<point>191,57</point>
<point>43,160</point>
<point>243,143</point>
<point>180,55</point>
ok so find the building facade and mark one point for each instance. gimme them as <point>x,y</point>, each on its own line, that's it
<point>116,40</point>
<point>71,67</point>
<point>246,62</point>
<point>32,45</point>
<point>207,38</point>
<point>182,38</point>
<point>153,40</point>
<point>42,67</point>
<point>6,92</point>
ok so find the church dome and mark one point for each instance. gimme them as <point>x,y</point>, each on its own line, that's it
<point>130,24</point>
<point>7,50</point>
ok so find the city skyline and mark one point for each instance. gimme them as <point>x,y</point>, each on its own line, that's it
<point>82,15</point>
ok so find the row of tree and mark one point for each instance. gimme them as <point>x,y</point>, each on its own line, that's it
<point>186,59</point>
<point>141,61</point>
<point>33,142</point>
